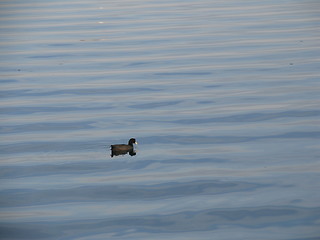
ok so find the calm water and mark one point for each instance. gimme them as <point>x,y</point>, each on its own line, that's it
<point>222,96</point>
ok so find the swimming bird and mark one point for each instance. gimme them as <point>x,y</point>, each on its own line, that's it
<point>122,149</point>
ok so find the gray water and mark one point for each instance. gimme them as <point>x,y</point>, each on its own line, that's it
<point>222,97</point>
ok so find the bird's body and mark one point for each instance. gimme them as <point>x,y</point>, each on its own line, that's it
<point>122,149</point>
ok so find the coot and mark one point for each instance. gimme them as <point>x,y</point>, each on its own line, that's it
<point>122,149</point>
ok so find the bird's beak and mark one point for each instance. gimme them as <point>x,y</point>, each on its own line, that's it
<point>136,143</point>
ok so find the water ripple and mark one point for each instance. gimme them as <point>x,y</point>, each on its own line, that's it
<point>251,117</point>
<point>265,217</point>
<point>49,146</point>
<point>25,197</point>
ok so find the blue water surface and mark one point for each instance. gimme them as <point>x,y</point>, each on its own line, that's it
<point>222,97</point>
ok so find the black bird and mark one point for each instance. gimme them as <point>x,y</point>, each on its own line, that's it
<point>122,149</point>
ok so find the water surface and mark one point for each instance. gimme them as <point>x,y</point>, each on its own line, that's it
<point>222,96</point>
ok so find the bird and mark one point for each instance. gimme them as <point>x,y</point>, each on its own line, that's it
<point>122,149</point>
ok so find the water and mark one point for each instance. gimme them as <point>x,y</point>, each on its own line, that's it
<point>222,96</point>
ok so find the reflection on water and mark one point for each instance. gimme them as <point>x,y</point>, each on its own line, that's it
<point>122,192</point>
<point>211,220</point>
<point>223,97</point>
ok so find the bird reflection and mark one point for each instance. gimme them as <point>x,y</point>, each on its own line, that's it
<point>123,149</point>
